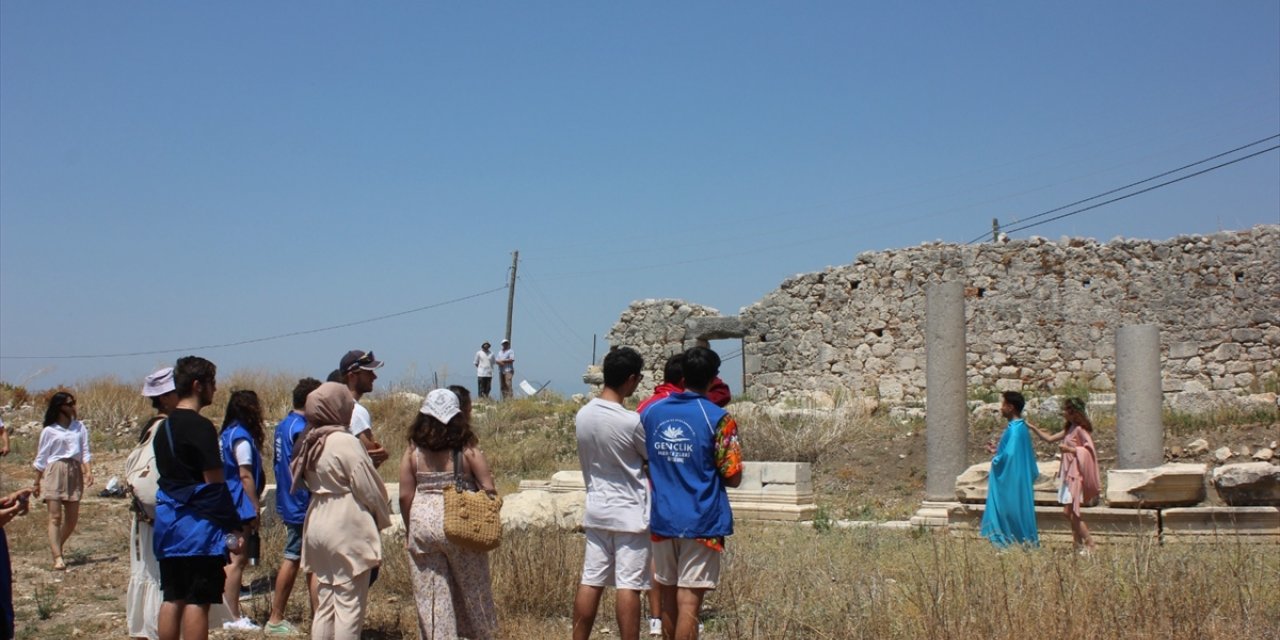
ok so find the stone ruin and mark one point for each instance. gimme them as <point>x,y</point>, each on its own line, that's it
<point>1038,315</point>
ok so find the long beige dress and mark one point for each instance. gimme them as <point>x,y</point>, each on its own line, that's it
<point>340,540</point>
<point>450,584</point>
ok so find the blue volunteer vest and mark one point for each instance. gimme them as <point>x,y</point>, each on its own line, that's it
<point>291,502</point>
<point>233,433</point>
<point>689,497</point>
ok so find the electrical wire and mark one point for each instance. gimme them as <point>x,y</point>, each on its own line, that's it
<point>1142,191</point>
<point>257,340</point>
<point>1134,184</point>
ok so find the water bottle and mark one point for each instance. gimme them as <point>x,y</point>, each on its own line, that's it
<point>232,541</point>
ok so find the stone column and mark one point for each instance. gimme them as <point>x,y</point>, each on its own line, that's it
<point>947,414</point>
<point>1139,430</point>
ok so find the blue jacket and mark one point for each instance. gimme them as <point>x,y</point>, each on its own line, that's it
<point>192,519</point>
<point>233,433</point>
<point>689,497</point>
<point>291,502</point>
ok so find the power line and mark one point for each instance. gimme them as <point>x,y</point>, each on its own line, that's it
<point>1139,192</point>
<point>257,340</point>
<point>1134,184</point>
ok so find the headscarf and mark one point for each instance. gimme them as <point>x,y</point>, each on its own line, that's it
<point>328,411</point>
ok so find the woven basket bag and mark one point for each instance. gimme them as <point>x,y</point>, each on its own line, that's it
<point>471,518</point>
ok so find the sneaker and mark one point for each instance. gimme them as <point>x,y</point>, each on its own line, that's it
<point>243,624</point>
<point>282,628</point>
<point>655,626</point>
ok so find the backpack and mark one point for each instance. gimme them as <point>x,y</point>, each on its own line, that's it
<point>141,475</point>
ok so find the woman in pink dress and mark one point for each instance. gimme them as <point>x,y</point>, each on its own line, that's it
<point>1080,482</point>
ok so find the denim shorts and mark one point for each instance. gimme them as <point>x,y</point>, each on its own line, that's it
<point>292,541</point>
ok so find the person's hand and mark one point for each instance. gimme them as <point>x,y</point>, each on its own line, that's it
<point>1066,448</point>
<point>88,479</point>
<point>378,454</point>
<point>4,449</point>
<point>35,490</point>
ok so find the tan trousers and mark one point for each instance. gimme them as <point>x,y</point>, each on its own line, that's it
<point>340,612</point>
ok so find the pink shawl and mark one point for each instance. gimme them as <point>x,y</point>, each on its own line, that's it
<point>1080,468</point>
<point>328,411</point>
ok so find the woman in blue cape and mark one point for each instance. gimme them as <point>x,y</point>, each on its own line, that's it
<point>1010,515</point>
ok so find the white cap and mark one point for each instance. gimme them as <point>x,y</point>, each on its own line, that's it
<point>158,383</point>
<point>441,404</point>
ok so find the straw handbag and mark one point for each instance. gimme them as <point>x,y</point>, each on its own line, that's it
<point>471,518</point>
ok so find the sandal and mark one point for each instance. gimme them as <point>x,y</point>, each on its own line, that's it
<point>59,565</point>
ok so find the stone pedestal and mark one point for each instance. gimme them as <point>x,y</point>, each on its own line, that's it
<point>947,417</point>
<point>933,514</point>
<point>1105,524</point>
<point>1139,430</point>
<point>1177,484</point>
<point>1218,524</point>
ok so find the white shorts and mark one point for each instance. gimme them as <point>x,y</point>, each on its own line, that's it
<point>616,559</point>
<point>687,563</point>
<point>1064,494</point>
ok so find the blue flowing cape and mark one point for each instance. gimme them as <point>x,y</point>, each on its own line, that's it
<point>1010,516</point>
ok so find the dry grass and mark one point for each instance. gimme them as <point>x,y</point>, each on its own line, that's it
<point>779,581</point>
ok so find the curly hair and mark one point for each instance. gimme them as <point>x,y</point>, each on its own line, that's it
<point>430,434</point>
<point>1076,407</point>
<point>243,407</point>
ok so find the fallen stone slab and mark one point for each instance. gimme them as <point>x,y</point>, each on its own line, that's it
<point>971,486</point>
<point>1213,524</point>
<point>1248,484</point>
<point>543,510</point>
<point>1176,484</point>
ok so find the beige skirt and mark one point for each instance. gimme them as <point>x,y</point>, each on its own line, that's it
<point>63,480</point>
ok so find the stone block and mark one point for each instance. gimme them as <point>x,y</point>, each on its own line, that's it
<point>794,473</point>
<point>971,486</point>
<point>543,510</point>
<point>1248,484</point>
<point>752,479</point>
<point>1168,485</point>
<point>1208,524</point>
<point>567,481</point>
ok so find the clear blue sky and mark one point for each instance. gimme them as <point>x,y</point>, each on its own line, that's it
<point>181,174</point>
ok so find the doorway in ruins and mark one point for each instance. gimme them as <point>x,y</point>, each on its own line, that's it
<point>732,370</point>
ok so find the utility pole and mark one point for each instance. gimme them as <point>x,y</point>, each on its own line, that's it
<point>995,237</point>
<point>511,291</point>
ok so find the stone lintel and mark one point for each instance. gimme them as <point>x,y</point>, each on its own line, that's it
<point>714,328</point>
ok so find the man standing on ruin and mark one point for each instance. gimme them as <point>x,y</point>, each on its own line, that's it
<point>484,371</point>
<point>506,367</point>
<point>611,450</point>
<point>357,369</point>
<point>694,456</point>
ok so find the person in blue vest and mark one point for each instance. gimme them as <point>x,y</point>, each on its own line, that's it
<point>242,438</point>
<point>694,456</point>
<point>291,504</point>
<point>196,520</point>
<point>1010,514</point>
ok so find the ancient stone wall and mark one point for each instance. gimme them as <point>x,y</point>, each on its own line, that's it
<point>1039,314</point>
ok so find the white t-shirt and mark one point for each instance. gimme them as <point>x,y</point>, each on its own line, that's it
<point>507,354</point>
<point>244,453</point>
<point>484,364</point>
<point>611,451</point>
<point>360,421</point>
